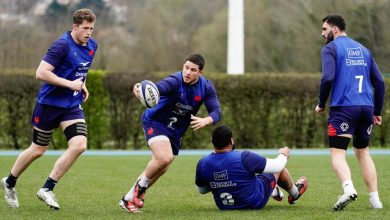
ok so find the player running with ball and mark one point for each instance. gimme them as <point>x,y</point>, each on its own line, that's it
<point>182,94</point>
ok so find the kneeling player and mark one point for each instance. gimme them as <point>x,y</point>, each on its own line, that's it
<point>242,179</point>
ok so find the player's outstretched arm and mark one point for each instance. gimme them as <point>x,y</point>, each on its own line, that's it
<point>198,123</point>
<point>279,163</point>
<point>45,73</point>
<point>285,151</point>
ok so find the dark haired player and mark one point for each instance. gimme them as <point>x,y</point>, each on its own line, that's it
<point>63,70</point>
<point>181,96</point>
<point>242,179</point>
<point>349,76</point>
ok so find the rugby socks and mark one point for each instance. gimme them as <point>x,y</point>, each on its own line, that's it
<point>293,191</point>
<point>50,184</point>
<point>374,196</point>
<point>348,187</point>
<point>129,195</point>
<point>11,181</point>
<point>143,182</point>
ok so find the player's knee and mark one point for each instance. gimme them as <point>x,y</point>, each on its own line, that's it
<point>361,142</point>
<point>37,151</point>
<point>339,142</point>
<point>76,129</point>
<point>166,160</point>
<point>362,153</point>
<point>41,138</point>
<point>78,146</point>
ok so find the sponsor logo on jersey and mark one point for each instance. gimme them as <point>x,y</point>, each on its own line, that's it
<point>83,74</point>
<point>182,109</point>
<point>355,57</point>
<point>223,184</point>
<point>223,175</point>
<point>84,63</point>
<point>179,105</point>
<point>354,53</point>
<point>179,111</point>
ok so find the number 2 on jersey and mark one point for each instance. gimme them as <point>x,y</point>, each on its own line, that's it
<point>227,198</point>
<point>172,120</point>
<point>360,77</point>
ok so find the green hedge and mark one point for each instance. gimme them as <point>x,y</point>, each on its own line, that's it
<point>264,110</point>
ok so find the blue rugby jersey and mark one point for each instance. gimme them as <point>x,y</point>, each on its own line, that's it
<point>231,177</point>
<point>71,61</point>
<point>179,100</point>
<point>349,73</point>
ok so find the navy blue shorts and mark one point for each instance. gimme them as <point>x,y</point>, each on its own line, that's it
<point>269,182</point>
<point>159,131</point>
<point>355,120</point>
<point>48,117</point>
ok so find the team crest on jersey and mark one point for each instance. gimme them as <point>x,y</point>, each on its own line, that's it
<point>150,131</point>
<point>36,119</point>
<point>344,126</point>
<point>91,53</point>
<point>197,98</point>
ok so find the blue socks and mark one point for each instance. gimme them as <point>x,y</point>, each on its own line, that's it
<point>50,184</point>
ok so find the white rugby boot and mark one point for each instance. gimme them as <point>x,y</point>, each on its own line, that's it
<point>10,194</point>
<point>48,197</point>
<point>344,200</point>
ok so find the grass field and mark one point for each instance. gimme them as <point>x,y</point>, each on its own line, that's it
<point>93,187</point>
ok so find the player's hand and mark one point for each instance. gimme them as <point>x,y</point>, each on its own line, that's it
<point>285,151</point>
<point>378,120</point>
<point>319,110</point>
<point>136,91</point>
<point>77,84</point>
<point>85,93</point>
<point>198,123</point>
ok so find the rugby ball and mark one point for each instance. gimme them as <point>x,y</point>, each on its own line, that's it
<point>148,94</point>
